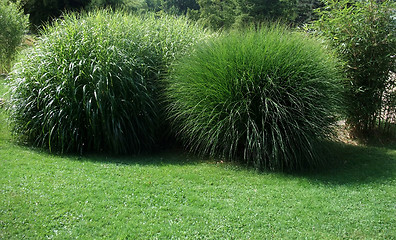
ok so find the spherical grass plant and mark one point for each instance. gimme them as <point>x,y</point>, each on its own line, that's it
<point>91,81</point>
<point>267,97</point>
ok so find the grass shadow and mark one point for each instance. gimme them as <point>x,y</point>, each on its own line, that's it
<point>349,164</point>
<point>173,156</point>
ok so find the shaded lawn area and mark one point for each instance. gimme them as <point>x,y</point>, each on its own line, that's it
<point>173,195</point>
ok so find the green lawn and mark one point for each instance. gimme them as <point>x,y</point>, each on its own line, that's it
<point>172,195</point>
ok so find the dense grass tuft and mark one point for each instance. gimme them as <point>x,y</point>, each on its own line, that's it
<point>267,97</point>
<point>91,82</point>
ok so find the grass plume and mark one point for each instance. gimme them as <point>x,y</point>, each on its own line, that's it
<point>266,97</point>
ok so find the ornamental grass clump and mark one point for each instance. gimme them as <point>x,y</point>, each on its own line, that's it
<point>267,97</point>
<point>91,81</point>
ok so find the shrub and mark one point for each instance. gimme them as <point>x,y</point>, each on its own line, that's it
<point>13,25</point>
<point>91,82</point>
<point>227,14</point>
<point>266,97</point>
<point>133,5</point>
<point>363,32</point>
<point>44,11</point>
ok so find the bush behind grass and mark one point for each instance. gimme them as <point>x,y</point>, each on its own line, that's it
<point>13,25</point>
<point>268,97</point>
<point>363,33</point>
<point>91,81</point>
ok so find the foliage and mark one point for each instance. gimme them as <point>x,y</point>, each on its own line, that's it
<point>218,14</point>
<point>13,25</point>
<point>179,6</point>
<point>174,7</point>
<point>91,82</point>
<point>43,11</point>
<point>266,97</point>
<point>132,5</point>
<point>262,10</point>
<point>387,119</point>
<point>363,32</point>
<point>304,11</point>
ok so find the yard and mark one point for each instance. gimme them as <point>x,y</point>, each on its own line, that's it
<point>171,195</point>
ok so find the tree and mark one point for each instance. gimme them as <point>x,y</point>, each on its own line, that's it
<point>305,11</point>
<point>126,4</point>
<point>217,14</point>
<point>42,11</point>
<point>239,13</point>
<point>179,6</point>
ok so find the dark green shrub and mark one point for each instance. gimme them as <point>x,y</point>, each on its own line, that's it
<point>363,32</point>
<point>179,6</point>
<point>43,11</point>
<point>266,97</point>
<point>91,82</point>
<point>217,14</point>
<point>13,25</point>
<point>226,14</point>
<point>114,4</point>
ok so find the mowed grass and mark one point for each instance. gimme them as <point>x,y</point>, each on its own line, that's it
<point>173,195</point>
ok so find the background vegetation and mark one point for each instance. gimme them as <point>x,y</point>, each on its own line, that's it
<point>215,14</point>
<point>241,13</point>
<point>364,34</point>
<point>13,25</point>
